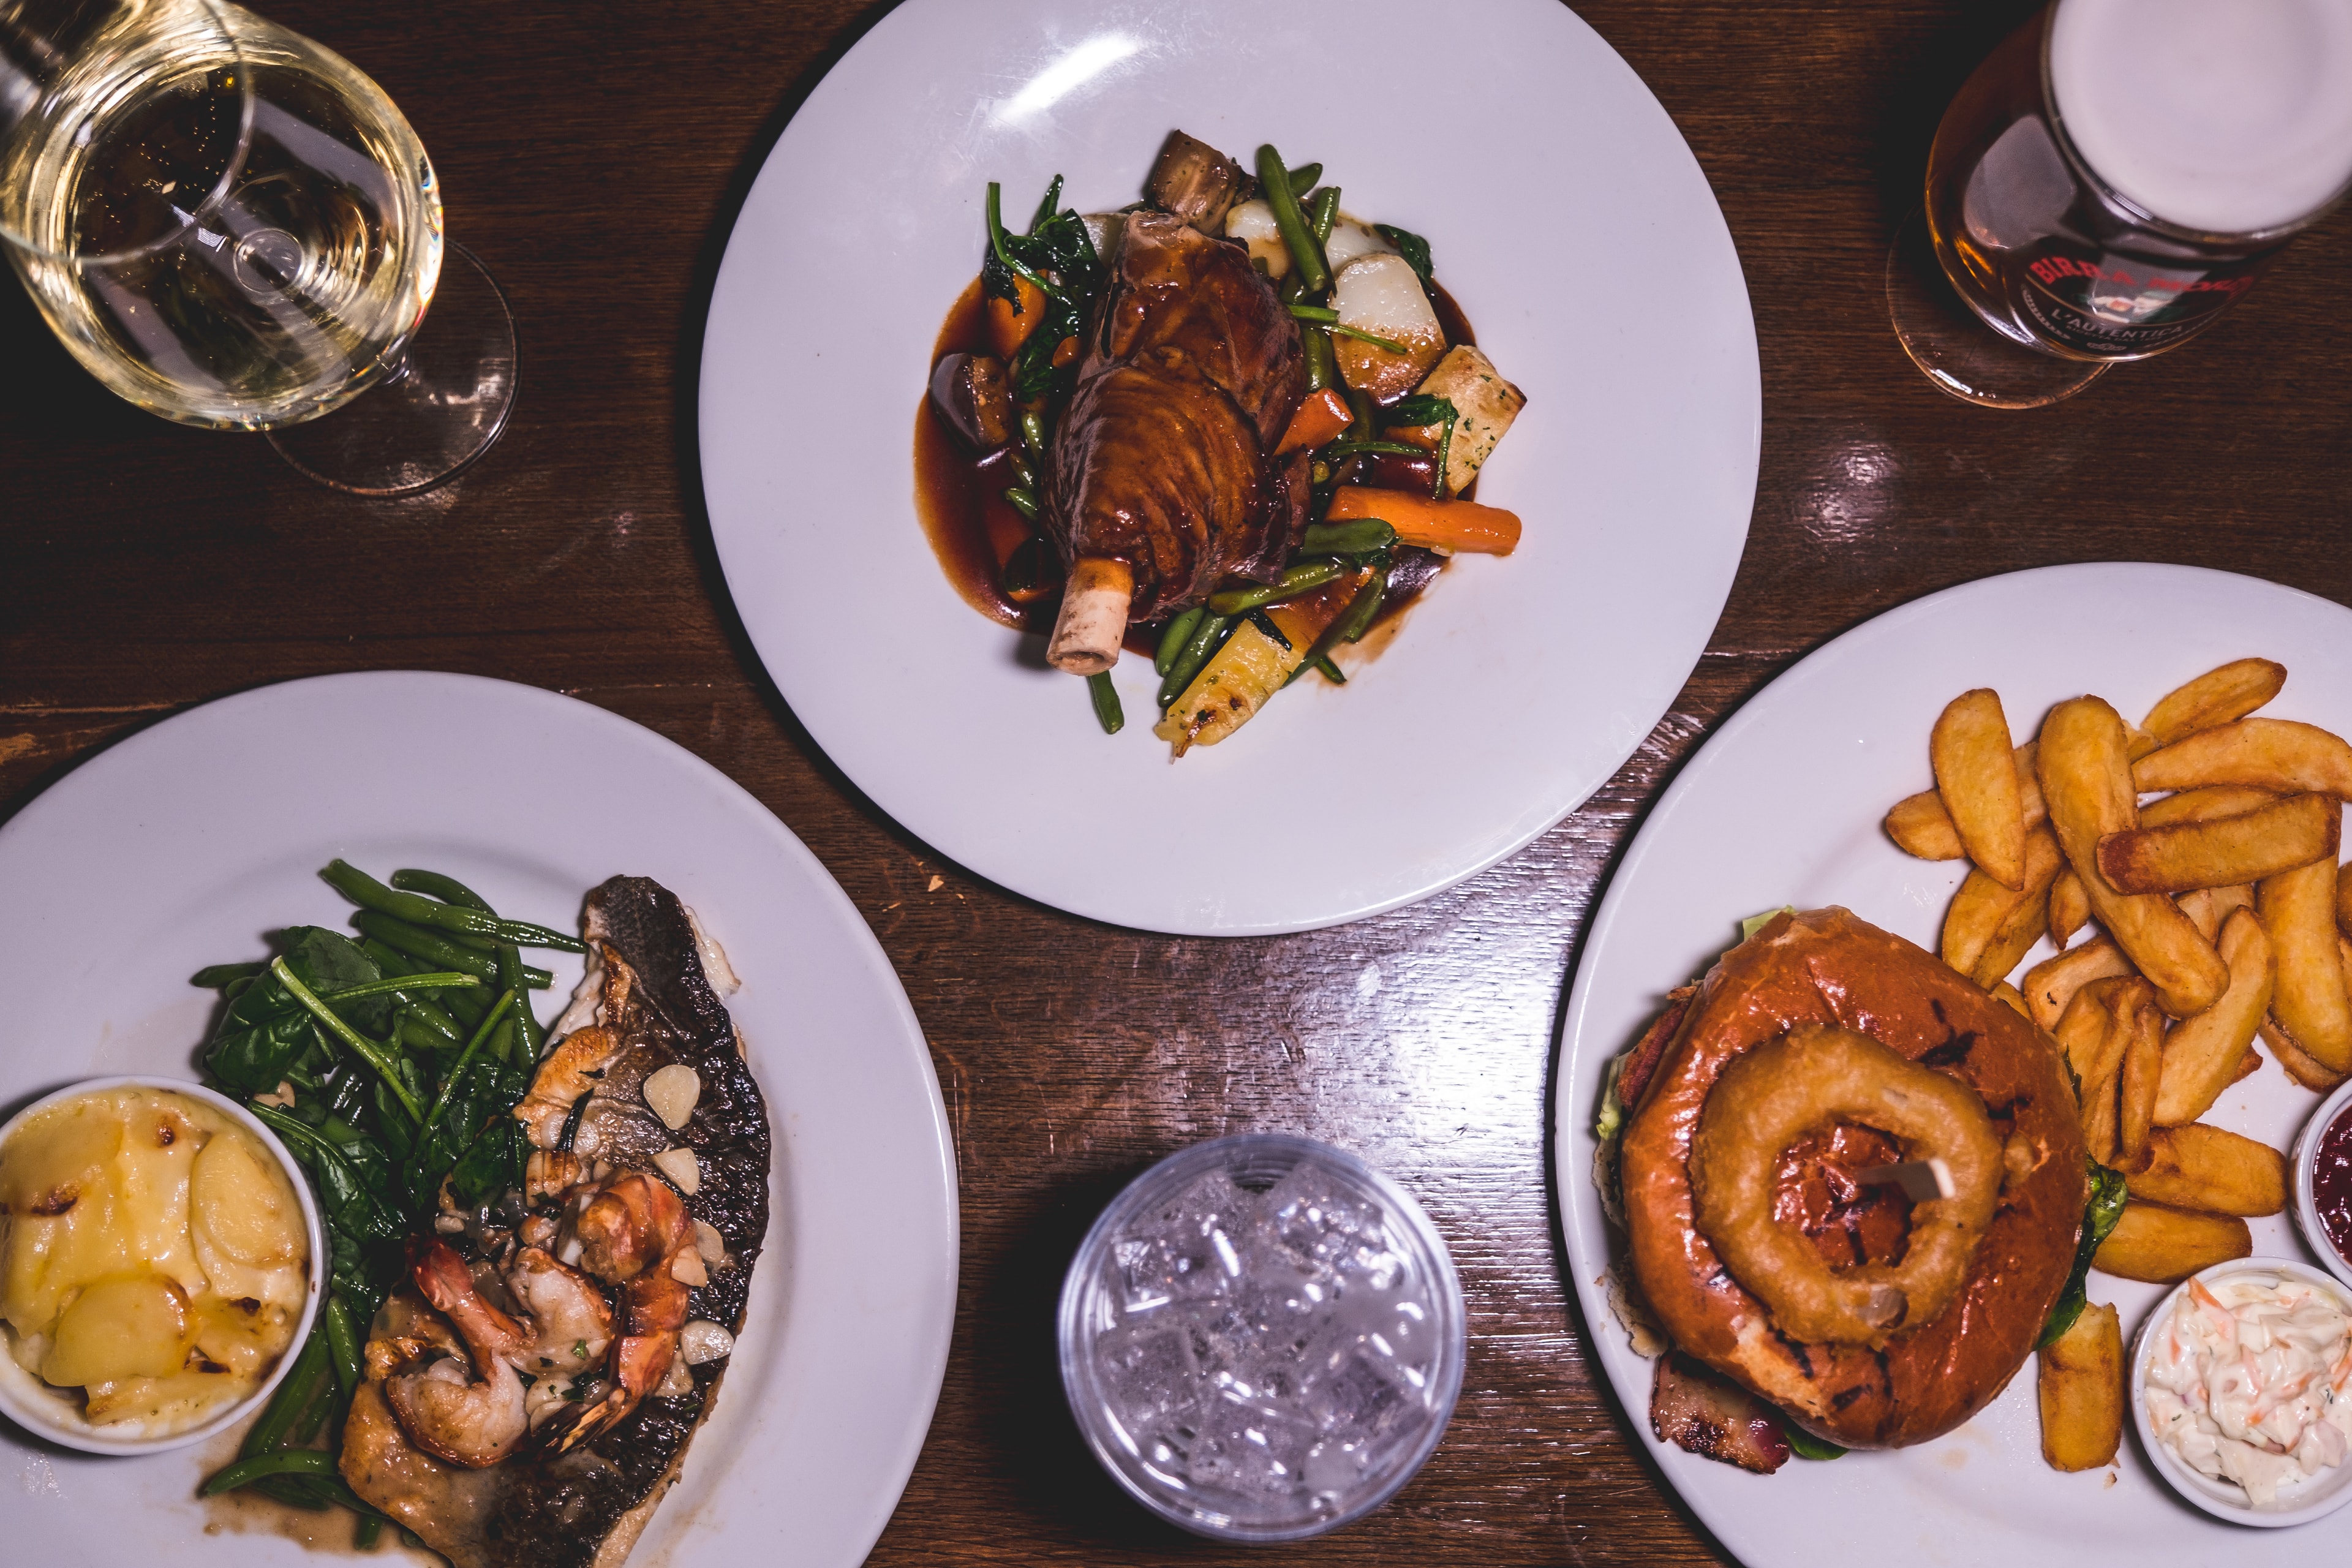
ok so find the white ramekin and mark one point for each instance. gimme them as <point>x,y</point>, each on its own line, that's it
<point>57,1415</point>
<point>2314,1497</point>
<point>2304,1164</point>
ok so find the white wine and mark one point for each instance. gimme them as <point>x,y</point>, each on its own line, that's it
<point>227,225</point>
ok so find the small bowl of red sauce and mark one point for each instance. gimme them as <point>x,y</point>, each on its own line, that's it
<point>2323,1183</point>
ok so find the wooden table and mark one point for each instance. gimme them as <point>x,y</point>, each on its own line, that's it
<point>593,153</point>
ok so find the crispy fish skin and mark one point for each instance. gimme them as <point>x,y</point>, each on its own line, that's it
<point>586,1509</point>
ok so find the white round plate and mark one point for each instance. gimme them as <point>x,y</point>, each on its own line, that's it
<point>1566,216</point>
<point>182,846</point>
<point>1782,805</point>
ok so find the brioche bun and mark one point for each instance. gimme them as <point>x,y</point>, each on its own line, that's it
<point>1826,967</point>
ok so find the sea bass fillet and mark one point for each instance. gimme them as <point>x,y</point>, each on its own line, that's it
<point>529,1395</point>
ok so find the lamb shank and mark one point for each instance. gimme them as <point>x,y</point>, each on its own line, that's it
<point>1161,479</point>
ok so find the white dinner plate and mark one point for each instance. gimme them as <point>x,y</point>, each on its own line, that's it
<point>1782,805</point>
<point>1566,216</point>
<point>182,846</point>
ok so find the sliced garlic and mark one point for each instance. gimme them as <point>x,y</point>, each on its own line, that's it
<point>672,1093</point>
<point>683,1169</point>
<point>687,1269</point>
<point>710,1243</point>
<point>703,1341</point>
<point>677,1382</point>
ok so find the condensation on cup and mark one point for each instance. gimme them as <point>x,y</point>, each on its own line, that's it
<point>2119,172</point>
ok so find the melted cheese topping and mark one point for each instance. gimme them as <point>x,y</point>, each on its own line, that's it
<point>152,1255</point>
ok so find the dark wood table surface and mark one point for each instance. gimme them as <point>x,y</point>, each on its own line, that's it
<point>593,153</point>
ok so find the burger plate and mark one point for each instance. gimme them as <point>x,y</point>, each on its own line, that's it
<point>1782,805</point>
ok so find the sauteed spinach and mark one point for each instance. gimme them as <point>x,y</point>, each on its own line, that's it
<point>390,1065</point>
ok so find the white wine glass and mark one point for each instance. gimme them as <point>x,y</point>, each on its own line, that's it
<point>234,228</point>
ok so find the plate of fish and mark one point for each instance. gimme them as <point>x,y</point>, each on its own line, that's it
<point>1182,424</point>
<point>595,1089</point>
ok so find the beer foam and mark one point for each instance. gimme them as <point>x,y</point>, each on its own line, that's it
<point>2227,117</point>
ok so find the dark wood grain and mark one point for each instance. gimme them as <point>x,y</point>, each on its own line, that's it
<point>593,153</point>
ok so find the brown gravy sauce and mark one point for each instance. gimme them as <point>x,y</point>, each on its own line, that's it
<point>974,531</point>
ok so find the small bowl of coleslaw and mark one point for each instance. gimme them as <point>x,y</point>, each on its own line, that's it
<point>2242,1392</point>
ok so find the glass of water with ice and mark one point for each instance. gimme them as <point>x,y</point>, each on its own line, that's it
<point>1262,1338</point>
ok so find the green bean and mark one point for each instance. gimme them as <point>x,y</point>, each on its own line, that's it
<point>1314,272</point>
<point>1108,712</point>
<point>323,1404</point>
<point>1026,476</point>
<point>532,1037</point>
<point>1296,580</point>
<point>1357,619</point>
<point>1023,502</point>
<point>1341,450</point>
<point>1325,214</point>
<point>293,1395</point>
<point>295,1491</point>
<point>1172,638</point>
<point>1320,662</point>
<point>464,1008</point>
<point>1390,344</point>
<point>449,889</point>
<point>342,1344</point>
<point>456,919</point>
<point>439,947</point>
<point>1322,364</point>
<point>1358,537</point>
<point>367,1050</point>
<point>449,1080</point>
<point>1367,416</point>
<point>1322,315</point>
<point>1033,432</point>
<point>1302,180</point>
<point>371,1526</point>
<point>284,1462</point>
<point>1207,638</point>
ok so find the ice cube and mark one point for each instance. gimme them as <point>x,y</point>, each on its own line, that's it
<point>1251,1451</point>
<point>1354,1403</point>
<point>1148,1371</point>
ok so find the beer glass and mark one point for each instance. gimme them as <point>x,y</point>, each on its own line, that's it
<point>233,228</point>
<point>2112,178</point>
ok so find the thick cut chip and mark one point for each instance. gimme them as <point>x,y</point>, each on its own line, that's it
<point>2081,1389</point>
<point>1989,927</point>
<point>1976,774</point>
<point>2070,907</point>
<point>2298,1063</point>
<point>2203,805</point>
<point>2293,831</point>
<point>2135,1099</point>
<point>2164,1245</point>
<point>2298,910</point>
<point>2210,1171</point>
<point>2276,754</point>
<point>2050,985</point>
<point>2216,696</point>
<point>2344,898</point>
<point>2202,1054</point>
<point>1921,827</point>
<point>2087,780</point>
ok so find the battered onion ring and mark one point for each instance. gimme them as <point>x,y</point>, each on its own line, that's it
<point>1807,1080</point>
